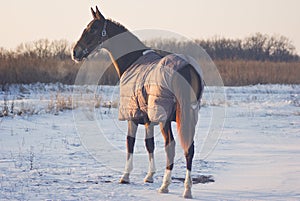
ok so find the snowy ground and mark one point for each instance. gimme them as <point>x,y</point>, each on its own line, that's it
<point>51,152</point>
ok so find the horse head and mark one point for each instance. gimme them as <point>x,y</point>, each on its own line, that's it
<point>93,36</point>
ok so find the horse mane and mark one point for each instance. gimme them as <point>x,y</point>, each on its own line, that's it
<point>121,29</point>
<point>117,24</point>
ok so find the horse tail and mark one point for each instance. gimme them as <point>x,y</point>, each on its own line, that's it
<point>186,122</point>
<point>187,87</point>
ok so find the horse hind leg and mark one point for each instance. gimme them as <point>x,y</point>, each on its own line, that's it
<point>149,141</point>
<point>170,151</point>
<point>188,178</point>
<point>187,89</point>
<point>131,135</point>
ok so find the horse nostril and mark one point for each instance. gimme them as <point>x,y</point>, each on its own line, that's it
<point>74,53</point>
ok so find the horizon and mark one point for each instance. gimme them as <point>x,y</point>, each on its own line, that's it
<point>231,19</point>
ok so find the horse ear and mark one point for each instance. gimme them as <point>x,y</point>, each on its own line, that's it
<point>98,14</point>
<point>93,13</point>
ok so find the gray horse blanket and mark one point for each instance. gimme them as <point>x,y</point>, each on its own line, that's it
<point>145,87</point>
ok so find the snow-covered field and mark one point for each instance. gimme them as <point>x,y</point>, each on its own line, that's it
<point>65,143</point>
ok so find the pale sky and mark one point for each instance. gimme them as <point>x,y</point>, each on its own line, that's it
<point>29,20</point>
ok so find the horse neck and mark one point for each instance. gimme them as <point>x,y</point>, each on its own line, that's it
<point>124,48</point>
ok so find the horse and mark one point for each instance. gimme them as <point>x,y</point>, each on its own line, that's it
<point>184,89</point>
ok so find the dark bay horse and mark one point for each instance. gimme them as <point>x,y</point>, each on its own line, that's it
<point>185,86</point>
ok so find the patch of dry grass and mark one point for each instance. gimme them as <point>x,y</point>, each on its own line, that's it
<point>233,72</point>
<point>237,73</point>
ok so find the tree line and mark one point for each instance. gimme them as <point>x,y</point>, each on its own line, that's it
<point>257,47</point>
<point>38,61</point>
<point>50,61</point>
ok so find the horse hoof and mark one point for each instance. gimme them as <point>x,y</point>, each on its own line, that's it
<point>149,178</point>
<point>187,194</point>
<point>122,181</point>
<point>125,179</point>
<point>163,190</point>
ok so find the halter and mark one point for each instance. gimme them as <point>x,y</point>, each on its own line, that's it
<point>101,40</point>
<point>103,33</point>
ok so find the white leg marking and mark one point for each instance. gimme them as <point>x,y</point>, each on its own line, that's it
<point>151,170</point>
<point>188,185</point>
<point>166,182</point>
<point>128,168</point>
<point>152,164</point>
<point>129,164</point>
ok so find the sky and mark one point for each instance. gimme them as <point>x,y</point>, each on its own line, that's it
<point>30,20</point>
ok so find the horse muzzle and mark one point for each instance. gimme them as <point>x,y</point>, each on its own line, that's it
<point>79,54</point>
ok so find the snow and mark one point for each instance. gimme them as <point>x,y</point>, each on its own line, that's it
<point>62,147</point>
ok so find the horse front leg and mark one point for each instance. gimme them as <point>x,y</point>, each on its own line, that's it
<point>149,141</point>
<point>131,135</point>
<point>170,151</point>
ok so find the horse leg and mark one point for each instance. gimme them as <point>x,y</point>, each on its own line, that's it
<point>131,134</point>
<point>170,151</point>
<point>187,88</point>
<point>189,154</point>
<point>149,141</point>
